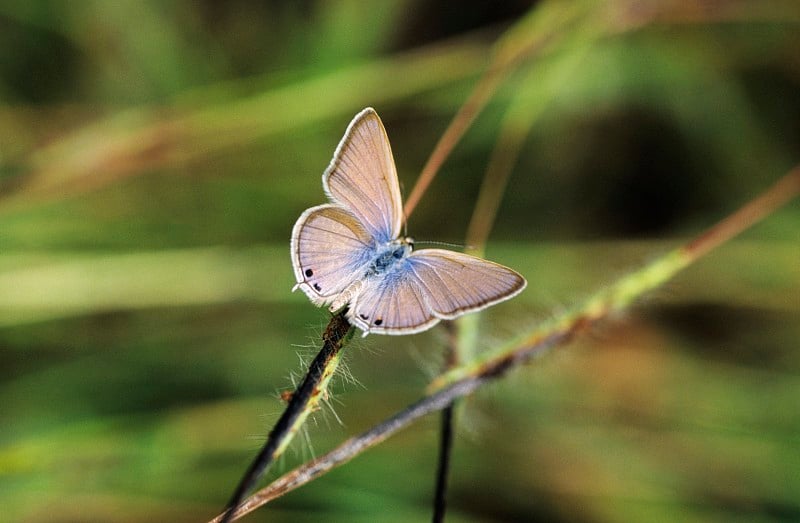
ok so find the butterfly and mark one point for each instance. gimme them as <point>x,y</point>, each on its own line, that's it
<point>349,252</point>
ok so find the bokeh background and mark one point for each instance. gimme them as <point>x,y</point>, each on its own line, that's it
<point>155,155</point>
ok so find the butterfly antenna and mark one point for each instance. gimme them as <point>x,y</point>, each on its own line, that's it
<point>443,244</point>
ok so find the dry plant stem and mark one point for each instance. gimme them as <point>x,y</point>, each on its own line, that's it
<point>464,380</point>
<point>446,430</point>
<point>356,445</point>
<point>505,60</point>
<point>443,468</point>
<point>488,84</point>
<point>461,122</point>
<point>501,163</point>
<point>303,402</point>
<point>776,196</point>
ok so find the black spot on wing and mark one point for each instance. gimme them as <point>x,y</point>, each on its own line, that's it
<point>309,273</point>
<point>316,286</point>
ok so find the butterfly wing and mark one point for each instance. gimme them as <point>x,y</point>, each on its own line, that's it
<point>362,177</point>
<point>392,303</point>
<point>454,283</point>
<point>330,251</point>
<point>430,285</point>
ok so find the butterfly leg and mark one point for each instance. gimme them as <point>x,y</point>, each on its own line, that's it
<point>346,296</point>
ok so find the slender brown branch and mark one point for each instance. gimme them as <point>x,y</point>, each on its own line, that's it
<point>776,196</point>
<point>446,424</point>
<point>301,403</point>
<point>443,468</point>
<point>504,157</point>
<point>455,131</point>
<point>504,61</point>
<point>356,445</point>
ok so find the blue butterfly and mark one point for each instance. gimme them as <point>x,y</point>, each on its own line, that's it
<point>350,252</point>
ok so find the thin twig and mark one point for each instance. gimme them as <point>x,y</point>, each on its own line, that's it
<point>776,196</point>
<point>458,126</point>
<point>304,401</point>
<point>505,60</point>
<point>443,468</point>
<point>354,446</point>
<point>451,360</point>
<point>504,157</point>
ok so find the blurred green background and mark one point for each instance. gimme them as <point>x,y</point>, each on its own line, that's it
<point>155,155</point>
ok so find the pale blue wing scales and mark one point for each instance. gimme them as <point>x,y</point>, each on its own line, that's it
<point>362,177</point>
<point>454,283</point>
<point>330,251</point>
<point>391,304</point>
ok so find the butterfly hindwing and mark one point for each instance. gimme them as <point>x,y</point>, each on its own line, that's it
<point>330,250</point>
<point>428,286</point>
<point>362,177</point>
<point>391,304</point>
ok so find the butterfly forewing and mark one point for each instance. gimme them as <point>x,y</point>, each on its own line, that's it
<point>454,283</point>
<point>362,177</point>
<point>330,250</point>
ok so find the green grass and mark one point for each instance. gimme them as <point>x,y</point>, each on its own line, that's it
<point>150,174</point>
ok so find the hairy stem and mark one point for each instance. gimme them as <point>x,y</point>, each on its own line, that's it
<point>303,402</point>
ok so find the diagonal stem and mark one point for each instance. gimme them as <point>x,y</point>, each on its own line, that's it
<point>483,91</point>
<point>304,401</point>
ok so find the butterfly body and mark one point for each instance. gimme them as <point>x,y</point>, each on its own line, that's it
<point>349,252</point>
<point>389,257</point>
